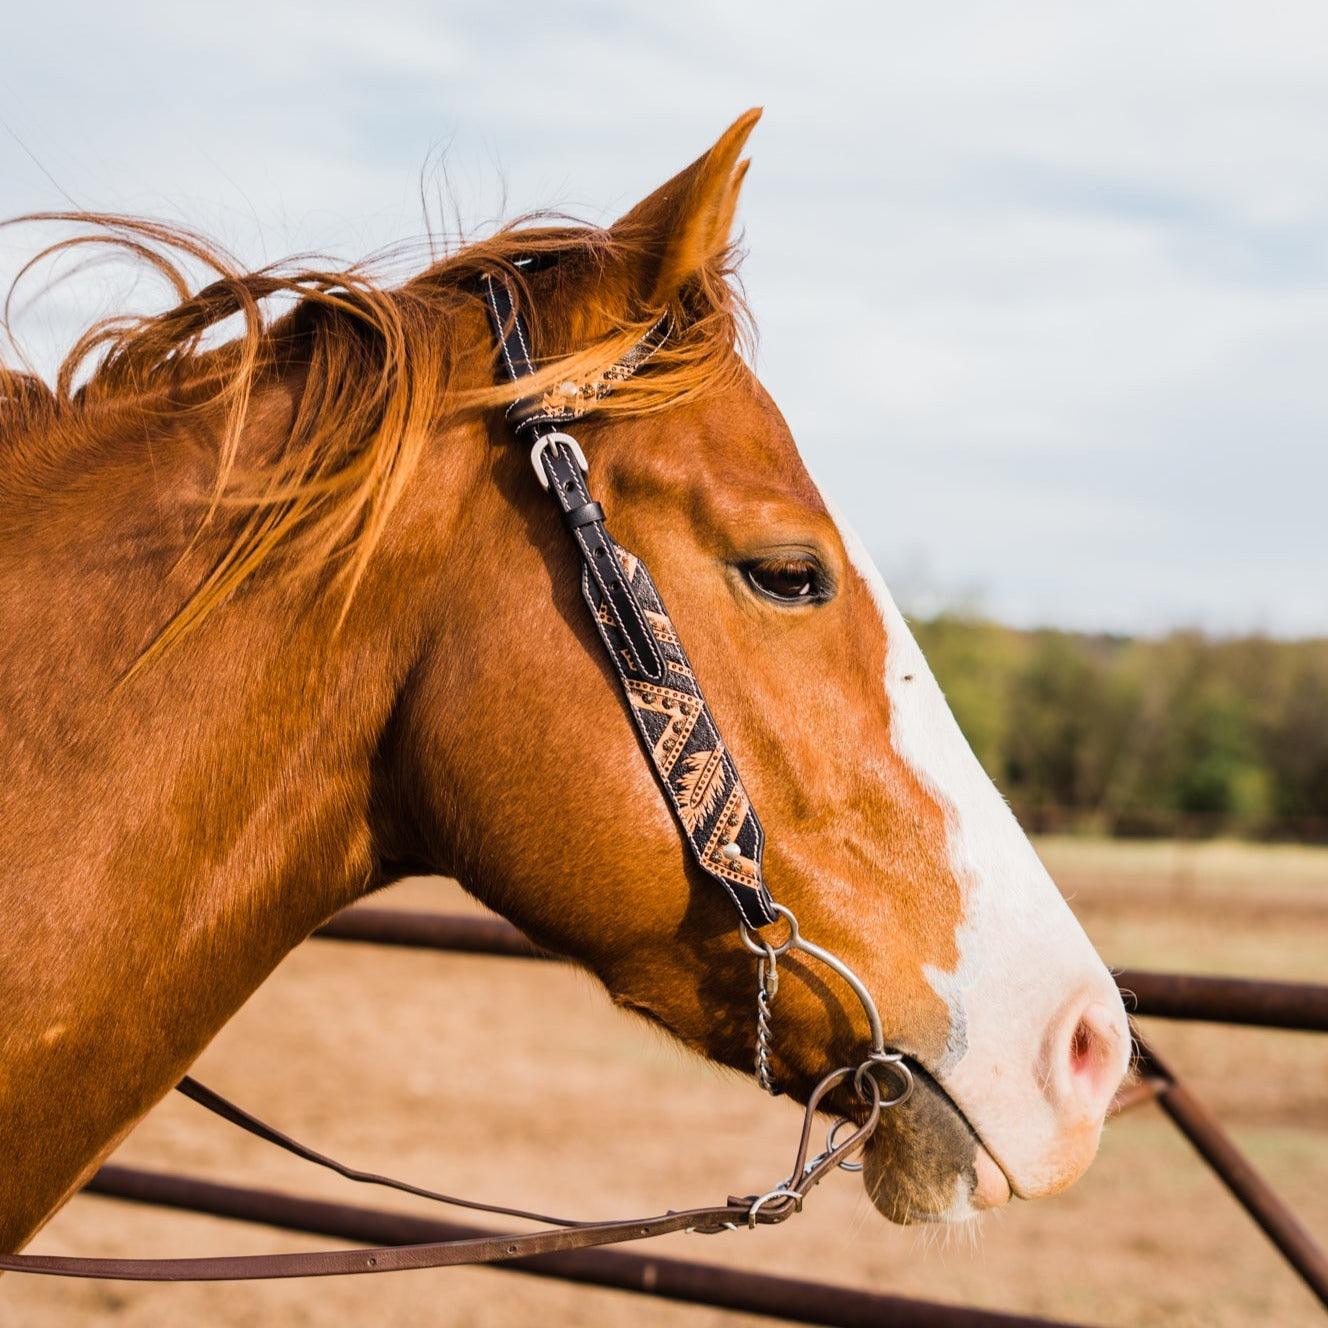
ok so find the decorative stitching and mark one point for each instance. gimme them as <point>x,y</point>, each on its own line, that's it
<point>581,537</point>
<point>688,738</point>
<point>706,839</point>
<point>680,710</point>
<point>525,350</point>
<point>753,902</point>
<point>662,628</point>
<point>498,324</point>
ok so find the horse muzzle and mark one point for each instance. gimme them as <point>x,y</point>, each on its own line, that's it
<point>925,1163</point>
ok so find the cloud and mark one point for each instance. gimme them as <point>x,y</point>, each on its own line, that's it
<point>1041,288</point>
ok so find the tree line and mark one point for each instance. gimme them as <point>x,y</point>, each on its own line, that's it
<point>1184,734</point>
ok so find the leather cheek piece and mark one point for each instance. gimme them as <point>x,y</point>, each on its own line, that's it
<point>678,733</point>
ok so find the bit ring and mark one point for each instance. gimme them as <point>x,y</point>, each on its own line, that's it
<point>895,1061</point>
<point>763,949</point>
<point>830,1143</point>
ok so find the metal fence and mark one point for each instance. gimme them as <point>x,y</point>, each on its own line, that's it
<point>1288,1005</point>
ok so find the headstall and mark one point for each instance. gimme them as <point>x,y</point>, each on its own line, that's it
<point>701,783</point>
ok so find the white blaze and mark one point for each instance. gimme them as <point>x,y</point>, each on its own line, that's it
<point>1023,957</point>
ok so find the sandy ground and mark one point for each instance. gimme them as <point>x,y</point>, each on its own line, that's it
<point>517,1081</point>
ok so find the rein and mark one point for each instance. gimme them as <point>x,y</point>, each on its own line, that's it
<point>723,833</point>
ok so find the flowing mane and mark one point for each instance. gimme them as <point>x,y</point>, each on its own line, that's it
<point>371,366</point>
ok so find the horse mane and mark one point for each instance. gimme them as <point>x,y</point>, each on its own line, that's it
<point>373,365</point>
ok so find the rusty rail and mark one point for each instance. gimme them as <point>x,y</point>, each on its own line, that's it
<point>1294,1005</point>
<point>1288,1005</point>
<point>1302,1006</point>
<point>1254,1194</point>
<point>794,1300</point>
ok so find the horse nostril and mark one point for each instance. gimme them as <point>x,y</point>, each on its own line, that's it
<point>1095,1053</point>
<point>1081,1046</point>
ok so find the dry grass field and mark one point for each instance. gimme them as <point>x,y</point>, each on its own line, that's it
<point>517,1081</point>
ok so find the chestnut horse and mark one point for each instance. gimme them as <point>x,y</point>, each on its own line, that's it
<point>285,618</point>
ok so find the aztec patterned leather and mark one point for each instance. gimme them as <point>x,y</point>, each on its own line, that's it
<point>678,732</point>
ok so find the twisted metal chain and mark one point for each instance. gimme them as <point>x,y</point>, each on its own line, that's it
<point>879,1056</point>
<point>767,984</point>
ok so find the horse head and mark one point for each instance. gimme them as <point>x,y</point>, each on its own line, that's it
<point>513,764</point>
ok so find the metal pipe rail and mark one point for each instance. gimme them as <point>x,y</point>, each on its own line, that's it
<point>1301,1006</point>
<point>794,1300</point>
<point>1293,1005</point>
<point>1247,1186</point>
<point>1286,1005</point>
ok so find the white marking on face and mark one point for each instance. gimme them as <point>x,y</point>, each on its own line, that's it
<point>1023,957</point>
<point>961,1208</point>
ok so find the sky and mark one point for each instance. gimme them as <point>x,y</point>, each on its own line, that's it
<point>1042,288</point>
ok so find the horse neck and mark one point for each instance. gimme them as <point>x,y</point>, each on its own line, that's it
<point>166,841</point>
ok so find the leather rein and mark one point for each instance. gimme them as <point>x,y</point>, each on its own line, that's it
<point>701,783</point>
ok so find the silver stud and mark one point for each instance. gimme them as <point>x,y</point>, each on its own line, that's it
<point>731,851</point>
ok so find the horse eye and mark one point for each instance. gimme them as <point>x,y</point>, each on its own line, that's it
<point>794,579</point>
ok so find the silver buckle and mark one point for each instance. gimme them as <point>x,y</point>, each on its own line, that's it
<point>784,1190</point>
<point>537,455</point>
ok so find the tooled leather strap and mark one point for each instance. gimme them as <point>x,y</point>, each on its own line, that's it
<point>681,738</point>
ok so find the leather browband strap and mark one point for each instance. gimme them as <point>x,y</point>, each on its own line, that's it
<point>679,733</point>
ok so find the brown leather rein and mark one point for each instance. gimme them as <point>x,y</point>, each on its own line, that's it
<point>726,841</point>
<point>776,1205</point>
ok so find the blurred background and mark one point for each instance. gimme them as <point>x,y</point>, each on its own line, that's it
<point>1043,291</point>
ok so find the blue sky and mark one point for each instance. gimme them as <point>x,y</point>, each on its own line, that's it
<point>1042,287</point>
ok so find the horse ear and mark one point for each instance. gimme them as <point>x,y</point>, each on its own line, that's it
<point>685,223</point>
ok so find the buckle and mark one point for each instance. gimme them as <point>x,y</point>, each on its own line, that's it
<point>786,1201</point>
<point>537,455</point>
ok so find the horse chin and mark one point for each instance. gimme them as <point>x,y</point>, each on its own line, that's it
<point>924,1163</point>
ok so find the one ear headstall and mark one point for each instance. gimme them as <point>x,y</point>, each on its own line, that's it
<point>679,733</point>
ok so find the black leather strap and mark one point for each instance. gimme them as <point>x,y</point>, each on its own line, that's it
<point>585,515</point>
<point>690,760</point>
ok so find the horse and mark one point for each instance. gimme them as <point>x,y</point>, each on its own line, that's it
<point>286,620</point>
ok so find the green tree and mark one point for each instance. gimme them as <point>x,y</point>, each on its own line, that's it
<point>1134,733</point>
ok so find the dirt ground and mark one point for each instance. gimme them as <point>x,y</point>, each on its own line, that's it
<point>517,1081</point>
